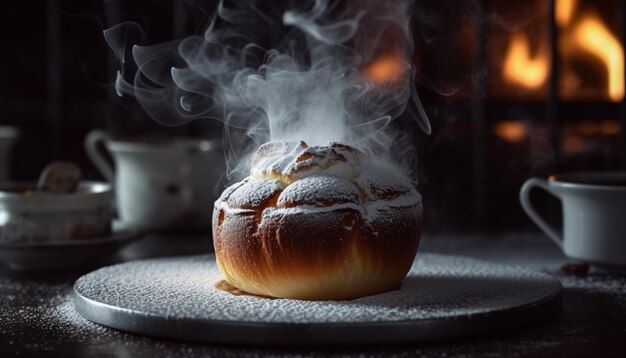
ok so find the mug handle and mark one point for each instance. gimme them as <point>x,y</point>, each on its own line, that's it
<point>94,146</point>
<point>524,198</point>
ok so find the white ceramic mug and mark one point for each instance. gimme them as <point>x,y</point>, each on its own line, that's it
<point>594,214</point>
<point>160,185</point>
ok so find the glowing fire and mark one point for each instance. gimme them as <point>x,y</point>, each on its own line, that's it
<point>607,127</point>
<point>589,134</point>
<point>587,33</point>
<point>573,144</point>
<point>521,67</point>
<point>511,131</point>
<point>582,33</point>
<point>386,69</point>
<point>564,11</point>
<point>610,127</point>
<point>593,36</point>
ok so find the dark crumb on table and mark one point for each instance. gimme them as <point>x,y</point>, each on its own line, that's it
<point>576,268</point>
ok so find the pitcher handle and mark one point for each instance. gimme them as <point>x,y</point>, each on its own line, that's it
<point>95,148</point>
<point>524,197</point>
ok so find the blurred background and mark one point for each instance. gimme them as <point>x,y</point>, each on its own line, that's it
<point>513,90</point>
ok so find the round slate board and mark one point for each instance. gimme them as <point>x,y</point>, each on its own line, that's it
<point>442,297</point>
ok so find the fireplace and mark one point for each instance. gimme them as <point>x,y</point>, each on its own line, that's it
<point>512,90</point>
<point>516,90</point>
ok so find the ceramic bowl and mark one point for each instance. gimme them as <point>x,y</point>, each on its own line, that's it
<point>28,216</point>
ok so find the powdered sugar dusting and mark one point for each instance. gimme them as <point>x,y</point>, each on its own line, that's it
<point>382,181</point>
<point>254,193</point>
<point>320,179</point>
<point>377,210</point>
<point>437,287</point>
<point>309,209</point>
<point>298,160</point>
<point>37,317</point>
<point>319,191</point>
<point>274,157</point>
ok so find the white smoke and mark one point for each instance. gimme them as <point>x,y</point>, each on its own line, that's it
<point>308,84</point>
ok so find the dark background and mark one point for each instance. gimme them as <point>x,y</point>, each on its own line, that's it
<point>56,75</point>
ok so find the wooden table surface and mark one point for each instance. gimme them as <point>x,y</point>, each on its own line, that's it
<point>37,315</point>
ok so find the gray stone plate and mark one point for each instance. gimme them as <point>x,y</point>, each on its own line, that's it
<point>443,297</point>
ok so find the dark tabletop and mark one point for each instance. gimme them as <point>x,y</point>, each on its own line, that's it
<point>37,314</point>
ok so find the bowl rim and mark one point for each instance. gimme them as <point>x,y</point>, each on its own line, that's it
<point>97,195</point>
<point>576,180</point>
<point>89,189</point>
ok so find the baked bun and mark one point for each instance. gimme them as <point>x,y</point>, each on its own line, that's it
<point>317,223</point>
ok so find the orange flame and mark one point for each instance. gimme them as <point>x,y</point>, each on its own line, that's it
<point>521,67</point>
<point>386,69</point>
<point>593,36</point>
<point>511,131</point>
<point>564,11</point>
<point>610,127</point>
<point>581,33</point>
<point>589,34</point>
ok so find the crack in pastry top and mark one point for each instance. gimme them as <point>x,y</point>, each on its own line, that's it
<point>294,178</point>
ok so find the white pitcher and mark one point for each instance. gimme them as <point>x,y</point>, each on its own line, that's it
<point>160,185</point>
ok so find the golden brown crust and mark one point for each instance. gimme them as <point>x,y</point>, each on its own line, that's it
<point>288,254</point>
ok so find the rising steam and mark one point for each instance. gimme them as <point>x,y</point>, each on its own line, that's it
<point>306,74</point>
